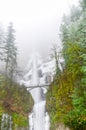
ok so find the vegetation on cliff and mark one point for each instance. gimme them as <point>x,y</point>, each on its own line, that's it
<point>15,100</point>
<point>66,98</point>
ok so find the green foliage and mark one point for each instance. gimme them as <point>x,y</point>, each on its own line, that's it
<point>59,99</point>
<point>76,118</point>
<point>20,120</point>
<point>66,98</point>
<point>16,101</point>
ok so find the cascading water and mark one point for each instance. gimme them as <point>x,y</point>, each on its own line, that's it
<point>39,118</point>
<point>37,94</point>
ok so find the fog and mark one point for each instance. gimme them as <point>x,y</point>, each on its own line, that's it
<point>36,22</point>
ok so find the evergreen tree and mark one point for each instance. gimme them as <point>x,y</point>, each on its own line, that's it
<point>10,51</point>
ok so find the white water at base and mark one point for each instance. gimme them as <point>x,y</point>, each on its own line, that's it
<point>39,119</point>
<point>39,116</point>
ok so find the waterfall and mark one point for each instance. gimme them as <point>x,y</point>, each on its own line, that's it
<point>39,112</point>
<point>38,118</point>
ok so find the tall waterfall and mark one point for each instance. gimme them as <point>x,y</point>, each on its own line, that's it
<point>38,114</point>
<point>38,118</point>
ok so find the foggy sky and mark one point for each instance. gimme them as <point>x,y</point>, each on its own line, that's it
<point>36,23</point>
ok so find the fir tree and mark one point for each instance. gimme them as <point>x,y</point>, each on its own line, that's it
<point>10,51</point>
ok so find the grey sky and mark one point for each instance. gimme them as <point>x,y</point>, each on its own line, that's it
<point>36,23</point>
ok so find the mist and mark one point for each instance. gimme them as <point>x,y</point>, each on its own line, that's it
<point>37,24</point>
